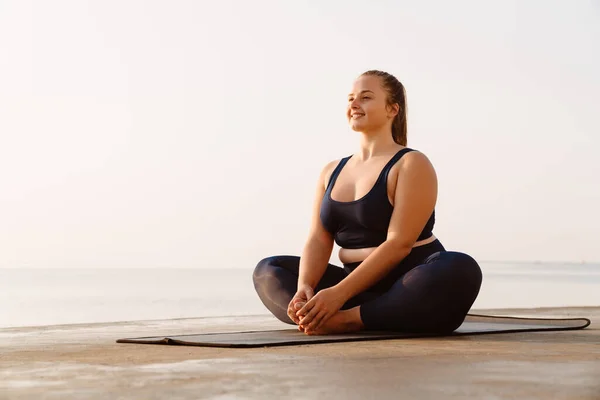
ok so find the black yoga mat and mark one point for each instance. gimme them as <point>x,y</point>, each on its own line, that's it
<point>474,324</point>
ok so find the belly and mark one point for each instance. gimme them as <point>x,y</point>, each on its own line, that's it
<point>347,256</point>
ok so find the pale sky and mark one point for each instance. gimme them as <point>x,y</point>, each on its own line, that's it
<point>191,134</point>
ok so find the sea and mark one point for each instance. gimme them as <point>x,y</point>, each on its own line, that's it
<point>51,296</point>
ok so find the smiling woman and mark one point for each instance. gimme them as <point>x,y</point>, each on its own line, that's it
<point>378,205</point>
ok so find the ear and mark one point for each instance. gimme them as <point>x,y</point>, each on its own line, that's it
<point>393,110</point>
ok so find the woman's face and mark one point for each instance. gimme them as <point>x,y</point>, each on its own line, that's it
<point>367,105</point>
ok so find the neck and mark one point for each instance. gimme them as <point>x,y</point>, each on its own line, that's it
<point>376,143</point>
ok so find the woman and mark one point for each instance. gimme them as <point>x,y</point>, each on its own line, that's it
<point>378,205</point>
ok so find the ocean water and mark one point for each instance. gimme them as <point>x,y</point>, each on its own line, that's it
<point>33,297</point>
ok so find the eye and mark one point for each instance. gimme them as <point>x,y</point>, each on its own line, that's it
<point>366,97</point>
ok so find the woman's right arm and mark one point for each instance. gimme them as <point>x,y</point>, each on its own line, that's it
<point>319,245</point>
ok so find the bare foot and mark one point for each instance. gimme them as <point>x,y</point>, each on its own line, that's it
<point>341,322</point>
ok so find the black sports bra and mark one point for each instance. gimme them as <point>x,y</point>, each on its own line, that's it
<point>364,222</point>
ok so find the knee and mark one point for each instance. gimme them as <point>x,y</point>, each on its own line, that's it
<point>471,270</point>
<point>263,266</point>
<point>461,277</point>
<point>462,266</point>
<point>261,274</point>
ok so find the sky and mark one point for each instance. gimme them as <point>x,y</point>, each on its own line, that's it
<point>192,133</point>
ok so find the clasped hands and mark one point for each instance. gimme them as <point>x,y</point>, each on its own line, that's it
<point>311,311</point>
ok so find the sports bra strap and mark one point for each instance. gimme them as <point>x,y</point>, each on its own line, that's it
<point>336,171</point>
<point>394,160</point>
<point>384,173</point>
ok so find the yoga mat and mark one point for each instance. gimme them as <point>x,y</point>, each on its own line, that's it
<point>474,324</point>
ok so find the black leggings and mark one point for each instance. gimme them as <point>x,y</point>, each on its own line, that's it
<point>430,291</point>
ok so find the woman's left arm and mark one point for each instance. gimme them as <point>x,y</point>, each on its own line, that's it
<point>414,200</point>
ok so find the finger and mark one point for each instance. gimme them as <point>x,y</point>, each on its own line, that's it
<point>304,309</point>
<point>306,318</point>
<point>327,314</point>
<point>317,320</point>
<point>311,329</point>
<point>307,307</point>
<point>297,302</point>
<point>292,314</point>
<point>299,298</point>
<point>294,318</point>
<point>292,307</point>
<point>309,316</point>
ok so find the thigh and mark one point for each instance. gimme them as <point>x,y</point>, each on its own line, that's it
<point>418,256</point>
<point>434,296</point>
<point>451,270</point>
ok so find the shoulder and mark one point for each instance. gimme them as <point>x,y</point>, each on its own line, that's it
<point>414,159</point>
<point>413,166</point>
<point>328,169</point>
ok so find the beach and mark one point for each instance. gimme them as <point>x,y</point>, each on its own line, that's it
<point>58,331</point>
<point>154,153</point>
<point>83,361</point>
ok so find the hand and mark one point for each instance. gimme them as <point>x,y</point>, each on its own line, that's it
<point>303,295</point>
<point>320,308</point>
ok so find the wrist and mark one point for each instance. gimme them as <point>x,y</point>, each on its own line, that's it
<point>304,285</point>
<point>341,292</point>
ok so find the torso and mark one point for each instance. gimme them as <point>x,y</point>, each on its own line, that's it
<point>354,182</point>
<point>355,255</point>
